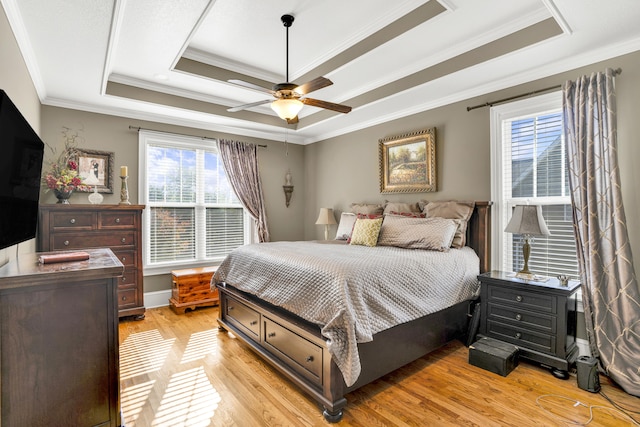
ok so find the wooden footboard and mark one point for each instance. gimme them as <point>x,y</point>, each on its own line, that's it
<point>297,349</point>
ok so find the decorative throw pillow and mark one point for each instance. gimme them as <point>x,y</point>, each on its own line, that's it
<point>408,214</point>
<point>367,208</point>
<point>347,221</point>
<point>365,232</point>
<point>401,207</point>
<point>417,233</point>
<point>364,216</point>
<point>452,209</point>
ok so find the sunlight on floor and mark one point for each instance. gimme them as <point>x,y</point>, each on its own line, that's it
<point>175,399</point>
<point>142,353</point>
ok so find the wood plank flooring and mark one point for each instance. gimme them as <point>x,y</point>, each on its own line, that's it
<point>180,370</point>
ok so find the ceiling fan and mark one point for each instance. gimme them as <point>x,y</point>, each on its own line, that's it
<point>290,97</point>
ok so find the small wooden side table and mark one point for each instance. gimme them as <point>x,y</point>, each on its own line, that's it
<point>191,288</point>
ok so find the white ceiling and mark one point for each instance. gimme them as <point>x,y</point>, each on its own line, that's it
<point>169,60</point>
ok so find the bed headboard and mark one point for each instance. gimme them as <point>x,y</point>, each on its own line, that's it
<point>479,234</point>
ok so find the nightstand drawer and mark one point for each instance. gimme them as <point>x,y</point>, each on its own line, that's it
<point>521,337</point>
<point>534,301</point>
<point>523,318</point>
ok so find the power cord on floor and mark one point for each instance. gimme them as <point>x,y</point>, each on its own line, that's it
<point>616,409</point>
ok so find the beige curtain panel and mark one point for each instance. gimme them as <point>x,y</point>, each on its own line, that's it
<point>240,162</point>
<point>610,289</point>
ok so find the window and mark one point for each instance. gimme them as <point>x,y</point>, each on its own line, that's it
<point>192,216</point>
<point>528,165</point>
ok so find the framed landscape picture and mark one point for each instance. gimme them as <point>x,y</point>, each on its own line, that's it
<point>96,169</point>
<point>407,162</point>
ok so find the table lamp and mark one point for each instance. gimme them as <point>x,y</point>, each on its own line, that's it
<point>326,218</point>
<point>527,220</point>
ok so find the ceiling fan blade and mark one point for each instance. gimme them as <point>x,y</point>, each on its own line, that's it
<point>315,84</point>
<point>328,105</point>
<point>292,121</point>
<point>250,86</point>
<point>245,106</point>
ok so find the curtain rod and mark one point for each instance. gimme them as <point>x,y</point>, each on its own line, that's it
<point>138,129</point>
<point>524,95</point>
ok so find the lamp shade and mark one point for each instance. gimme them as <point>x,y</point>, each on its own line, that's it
<point>326,217</point>
<point>527,220</point>
<point>286,108</point>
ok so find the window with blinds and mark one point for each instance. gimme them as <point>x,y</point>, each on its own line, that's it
<point>192,214</point>
<point>529,167</point>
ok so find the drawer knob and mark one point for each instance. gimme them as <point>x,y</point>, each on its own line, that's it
<point>123,240</point>
<point>124,258</point>
<point>124,298</point>
<point>230,308</point>
<point>72,220</point>
<point>124,279</point>
<point>66,243</point>
<point>518,316</point>
<point>117,220</point>
<point>254,322</point>
<point>309,359</point>
<point>518,335</point>
<point>271,334</point>
<point>519,298</point>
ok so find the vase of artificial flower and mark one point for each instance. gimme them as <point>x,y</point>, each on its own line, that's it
<point>63,180</point>
<point>63,196</point>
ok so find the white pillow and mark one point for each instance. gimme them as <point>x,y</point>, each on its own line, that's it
<point>347,220</point>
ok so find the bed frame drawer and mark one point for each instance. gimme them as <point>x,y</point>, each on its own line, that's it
<point>243,317</point>
<point>297,352</point>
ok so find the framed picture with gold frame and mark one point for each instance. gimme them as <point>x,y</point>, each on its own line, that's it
<point>407,162</point>
<point>96,169</point>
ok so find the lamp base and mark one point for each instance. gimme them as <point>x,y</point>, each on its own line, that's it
<point>525,275</point>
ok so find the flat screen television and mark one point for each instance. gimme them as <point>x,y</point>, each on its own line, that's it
<point>21,154</point>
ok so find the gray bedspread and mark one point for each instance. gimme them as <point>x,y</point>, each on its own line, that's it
<point>352,292</point>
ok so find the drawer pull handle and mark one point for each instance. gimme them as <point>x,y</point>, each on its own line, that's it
<point>124,298</point>
<point>124,258</point>
<point>518,316</point>
<point>309,359</point>
<point>72,220</point>
<point>117,220</point>
<point>66,243</point>
<point>518,335</point>
<point>519,298</point>
<point>230,308</point>
<point>124,279</point>
<point>253,322</point>
<point>123,240</point>
<point>271,334</point>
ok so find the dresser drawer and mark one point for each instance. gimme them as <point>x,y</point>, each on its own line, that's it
<point>540,341</point>
<point>533,301</point>
<point>73,220</point>
<point>127,257</point>
<point>523,318</point>
<point>116,220</point>
<point>129,277</point>
<point>302,355</point>
<point>247,319</point>
<point>92,240</point>
<point>127,298</point>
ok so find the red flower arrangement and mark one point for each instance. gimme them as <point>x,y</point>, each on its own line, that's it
<point>64,178</point>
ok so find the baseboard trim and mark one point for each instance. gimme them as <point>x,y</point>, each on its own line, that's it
<point>157,299</point>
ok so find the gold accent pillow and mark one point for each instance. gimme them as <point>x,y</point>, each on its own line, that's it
<point>365,232</point>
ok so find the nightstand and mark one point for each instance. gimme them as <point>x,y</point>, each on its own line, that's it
<point>539,317</point>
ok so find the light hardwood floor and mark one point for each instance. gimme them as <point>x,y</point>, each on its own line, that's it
<point>180,370</point>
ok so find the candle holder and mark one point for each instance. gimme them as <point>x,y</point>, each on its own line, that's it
<point>124,191</point>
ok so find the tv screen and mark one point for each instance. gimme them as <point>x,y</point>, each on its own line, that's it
<point>21,156</point>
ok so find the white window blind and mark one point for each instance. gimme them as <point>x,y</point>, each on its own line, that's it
<point>529,167</point>
<point>192,215</point>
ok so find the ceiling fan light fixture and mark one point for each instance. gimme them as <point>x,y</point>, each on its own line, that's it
<point>287,109</point>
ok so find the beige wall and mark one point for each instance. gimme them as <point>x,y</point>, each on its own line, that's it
<point>16,82</point>
<point>344,169</point>
<point>111,133</point>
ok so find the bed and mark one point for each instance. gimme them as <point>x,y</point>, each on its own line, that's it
<point>310,349</point>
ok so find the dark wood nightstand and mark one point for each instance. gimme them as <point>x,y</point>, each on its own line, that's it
<point>538,317</point>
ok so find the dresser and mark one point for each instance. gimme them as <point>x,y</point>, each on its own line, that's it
<point>538,317</point>
<point>59,340</point>
<point>118,227</point>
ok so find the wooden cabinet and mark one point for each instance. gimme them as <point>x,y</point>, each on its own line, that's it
<point>538,317</point>
<point>59,341</point>
<point>118,227</point>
